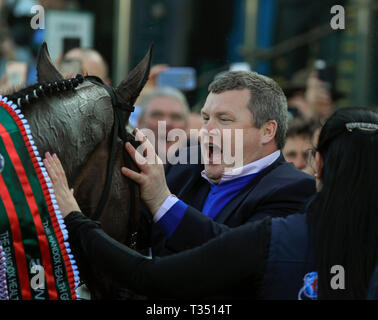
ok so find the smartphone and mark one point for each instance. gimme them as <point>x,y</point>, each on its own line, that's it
<point>16,73</point>
<point>71,66</point>
<point>183,78</point>
<point>326,73</point>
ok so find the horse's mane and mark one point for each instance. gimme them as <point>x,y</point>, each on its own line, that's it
<point>67,119</point>
<point>31,94</point>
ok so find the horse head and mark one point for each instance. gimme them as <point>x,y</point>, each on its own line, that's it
<point>77,125</point>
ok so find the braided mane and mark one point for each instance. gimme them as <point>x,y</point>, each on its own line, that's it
<point>71,117</point>
<point>32,93</point>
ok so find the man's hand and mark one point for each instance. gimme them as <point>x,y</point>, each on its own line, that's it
<point>318,96</point>
<point>153,186</point>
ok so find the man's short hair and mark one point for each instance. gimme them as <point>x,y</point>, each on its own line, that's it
<point>168,92</point>
<point>268,102</point>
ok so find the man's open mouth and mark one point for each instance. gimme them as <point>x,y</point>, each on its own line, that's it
<point>214,153</point>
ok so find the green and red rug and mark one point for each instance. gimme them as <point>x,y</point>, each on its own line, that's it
<point>35,259</point>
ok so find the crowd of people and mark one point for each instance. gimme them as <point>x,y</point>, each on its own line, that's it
<point>301,200</point>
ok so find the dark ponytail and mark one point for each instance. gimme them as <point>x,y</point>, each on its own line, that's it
<point>343,218</point>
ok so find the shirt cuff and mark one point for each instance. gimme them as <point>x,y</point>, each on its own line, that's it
<point>170,221</point>
<point>167,204</point>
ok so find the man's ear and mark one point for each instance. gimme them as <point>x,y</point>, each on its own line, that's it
<point>318,165</point>
<point>269,130</point>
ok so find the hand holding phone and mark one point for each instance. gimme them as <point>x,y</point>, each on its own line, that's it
<point>183,78</point>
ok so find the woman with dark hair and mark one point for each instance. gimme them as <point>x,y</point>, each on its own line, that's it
<point>329,252</point>
<point>344,214</point>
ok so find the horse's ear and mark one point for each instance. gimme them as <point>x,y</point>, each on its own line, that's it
<point>129,89</point>
<point>46,71</point>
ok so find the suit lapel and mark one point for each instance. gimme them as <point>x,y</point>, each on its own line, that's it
<point>232,206</point>
<point>200,198</point>
<point>195,192</point>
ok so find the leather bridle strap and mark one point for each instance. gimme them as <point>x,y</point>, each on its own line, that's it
<point>119,130</point>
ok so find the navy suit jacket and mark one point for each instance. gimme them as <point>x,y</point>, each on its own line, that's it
<point>277,191</point>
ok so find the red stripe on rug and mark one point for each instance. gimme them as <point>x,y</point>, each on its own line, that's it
<point>45,249</point>
<point>17,240</point>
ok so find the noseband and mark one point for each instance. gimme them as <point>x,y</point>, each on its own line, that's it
<point>121,114</point>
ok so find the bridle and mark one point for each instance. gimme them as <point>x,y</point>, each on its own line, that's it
<point>121,115</point>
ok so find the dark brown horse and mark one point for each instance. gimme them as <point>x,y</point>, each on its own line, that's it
<point>74,118</point>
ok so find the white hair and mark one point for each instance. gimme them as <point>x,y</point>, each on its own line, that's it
<point>169,92</point>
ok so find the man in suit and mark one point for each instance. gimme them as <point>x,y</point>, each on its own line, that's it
<point>212,197</point>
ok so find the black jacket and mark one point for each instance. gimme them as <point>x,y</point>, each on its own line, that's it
<point>277,191</point>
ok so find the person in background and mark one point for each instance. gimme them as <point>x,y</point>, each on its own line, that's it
<point>298,142</point>
<point>310,97</point>
<point>151,83</point>
<point>150,86</point>
<point>169,107</point>
<point>11,52</point>
<point>89,61</point>
<point>319,98</point>
<point>295,92</point>
<point>195,123</point>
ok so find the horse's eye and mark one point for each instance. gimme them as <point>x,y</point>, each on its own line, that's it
<point>2,161</point>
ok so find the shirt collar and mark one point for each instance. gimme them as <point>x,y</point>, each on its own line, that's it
<point>250,168</point>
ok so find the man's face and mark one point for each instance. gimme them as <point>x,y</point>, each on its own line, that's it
<point>296,150</point>
<point>228,110</point>
<point>165,109</point>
